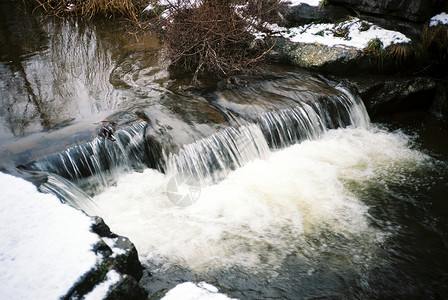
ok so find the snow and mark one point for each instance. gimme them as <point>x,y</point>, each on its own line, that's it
<point>45,246</point>
<point>192,291</point>
<point>358,35</point>
<point>441,18</point>
<point>298,2</point>
<point>100,291</point>
<point>115,250</point>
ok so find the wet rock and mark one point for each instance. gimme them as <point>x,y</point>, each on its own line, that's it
<point>119,254</point>
<point>304,14</point>
<point>439,107</point>
<point>127,288</point>
<point>101,228</point>
<point>413,10</point>
<point>384,95</point>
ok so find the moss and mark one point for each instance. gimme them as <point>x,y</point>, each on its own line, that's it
<point>99,274</point>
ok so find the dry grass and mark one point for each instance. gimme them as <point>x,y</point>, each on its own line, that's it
<point>401,53</point>
<point>435,40</point>
<point>124,8</point>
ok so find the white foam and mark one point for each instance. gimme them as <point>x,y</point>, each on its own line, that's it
<point>441,18</point>
<point>277,203</point>
<point>45,246</point>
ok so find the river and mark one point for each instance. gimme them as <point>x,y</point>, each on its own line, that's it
<point>293,191</point>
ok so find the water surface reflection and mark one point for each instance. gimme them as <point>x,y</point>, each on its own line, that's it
<point>54,72</point>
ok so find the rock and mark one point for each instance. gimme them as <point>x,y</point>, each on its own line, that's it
<point>413,10</point>
<point>317,56</point>
<point>119,254</point>
<point>101,228</point>
<point>127,288</point>
<point>440,106</point>
<point>384,95</point>
<point>304,14</point>
<point>127,262</point>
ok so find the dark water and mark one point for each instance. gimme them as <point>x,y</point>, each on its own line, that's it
<point>60,78</point>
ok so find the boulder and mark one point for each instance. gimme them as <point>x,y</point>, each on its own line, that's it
<point>317,56</point>
<point>413,10</point>
<point>385,95</point>
<point>304,14</point>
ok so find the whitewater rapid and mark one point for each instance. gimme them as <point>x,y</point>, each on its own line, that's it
<point>299,200</point>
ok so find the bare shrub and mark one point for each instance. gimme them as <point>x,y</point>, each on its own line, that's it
<point>213,37</point>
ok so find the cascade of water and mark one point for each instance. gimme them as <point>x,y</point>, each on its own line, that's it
<point>213,157</point>
<point>68,192</point>
<point>308,121</point>
<point>95,164</point>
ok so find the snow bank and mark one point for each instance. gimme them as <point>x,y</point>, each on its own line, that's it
<point>441,18</point>
<point>298,2</point>
<point>352,33</point>
<point>192,291</point>
<point>45,245</point>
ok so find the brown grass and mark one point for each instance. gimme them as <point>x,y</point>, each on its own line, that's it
<point>401,53</point>
<point>91,8</point>
<point>435,40</point>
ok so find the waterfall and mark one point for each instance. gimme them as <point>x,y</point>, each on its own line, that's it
<point>97,164</point>
<point>212,158</point>
<point>68,192</point>
<point>308,121</point>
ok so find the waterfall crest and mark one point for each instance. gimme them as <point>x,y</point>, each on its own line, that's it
<point>97,164</point>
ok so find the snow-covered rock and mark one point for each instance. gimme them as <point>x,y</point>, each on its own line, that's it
<point>331,47</point>
<point>48,250</point>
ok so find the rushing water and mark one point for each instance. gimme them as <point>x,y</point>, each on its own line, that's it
<point>298,194</point>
